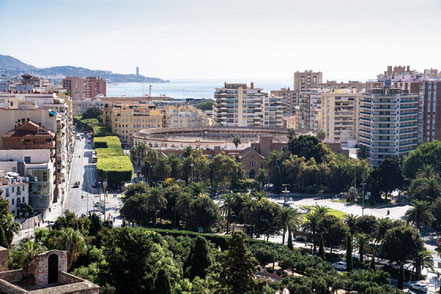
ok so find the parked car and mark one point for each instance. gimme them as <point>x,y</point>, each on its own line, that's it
<point>340,265</point>
<point>419,287</point>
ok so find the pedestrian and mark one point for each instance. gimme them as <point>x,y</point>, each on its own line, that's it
<point>388,212</point>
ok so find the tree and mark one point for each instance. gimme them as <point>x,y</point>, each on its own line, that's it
<point>22,254</point>
<point>291,134</point>
<point>321,135</point>
<point>237,267</point>
<point>309,147</point>
<point>351,221</point>
<point>384,224</point>
<point>206,105</point>
<point>203,213</point>
<point>136,188</point>
<point>426,154</point>
<point>136,209</point>
<point>426,171</point>
<point>321,252</point>
<point>423,188</point>
<point>10,227</point>
<point>262,177</point>
<point>363,152</point>
<point>155,201</point>
<point>236,140</point>
<point>311,224</point>
<point>349,260</point>
<point>161,284</point>
<point>266,218</point>
<point>199,259</point>
<point>391,175</point>
<point>367,224</point>
<point>362,241</point>
<point>3,240</point>
<point>401,244</point>
<point>70,240</point>
<point>420,213</point>
<point>175,165</point>
<point>161,169</point>
<point>423,259</point>
<point>92,112</point>
<point>4,205</point>
<point>436,212</point>
<point>289,218</point>
<point>225,208</point>
<point>277,180</point>
<point>333,231</point>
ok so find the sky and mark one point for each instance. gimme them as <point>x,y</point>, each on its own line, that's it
<point>222,39</point>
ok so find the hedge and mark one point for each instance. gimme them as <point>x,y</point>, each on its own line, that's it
<point>112,163</point>
<point>93,125</point>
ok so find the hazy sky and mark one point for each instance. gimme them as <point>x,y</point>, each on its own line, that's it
<point>345,39</point>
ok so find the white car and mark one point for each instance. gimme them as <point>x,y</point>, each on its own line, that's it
<point>341,265</point>
<point>419,287</point>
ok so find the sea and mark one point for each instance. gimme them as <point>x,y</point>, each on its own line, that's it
<point>188,88</point>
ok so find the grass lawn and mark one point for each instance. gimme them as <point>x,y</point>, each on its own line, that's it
<point>337,213</point>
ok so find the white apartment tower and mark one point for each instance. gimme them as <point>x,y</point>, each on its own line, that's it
<point>388,123</point>
<point>238,105</point>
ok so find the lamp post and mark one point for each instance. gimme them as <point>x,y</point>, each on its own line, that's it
<point>87,198</point>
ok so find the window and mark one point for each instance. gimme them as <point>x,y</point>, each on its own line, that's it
<point>27,159</point>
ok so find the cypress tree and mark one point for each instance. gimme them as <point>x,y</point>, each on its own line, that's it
<point>161,284</point>
<point>3,241</point>
<point>349,261</point>
<point>199,259</point>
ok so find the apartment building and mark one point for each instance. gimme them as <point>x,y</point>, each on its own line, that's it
<point>430,118</point>
<point>310,104</point>
<point>340,116</point>
<point>15,189</point>
<point>303,81</point>
<point>388,123</point>
<point>126,118</point>
<point>343,85</point>
<point>48,111</point>
<point>39,168</point>
<point>242,106</point>
<point>185,116</point>
<point>80,88</point>
<point>272,112</point>
<point>290,99</point>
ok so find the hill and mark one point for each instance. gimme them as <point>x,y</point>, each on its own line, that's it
<point>11,67</point>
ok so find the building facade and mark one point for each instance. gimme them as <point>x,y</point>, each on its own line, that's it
<point>388,123</point>
<point>290,99</point>
<point>15,189</point>
<point>340,116</point>
<point>310,104</point>
<point>238,105</point>
<point>430,96</point>
<point>304,81</point>
<point>80,88</point>
<point>124,119</point>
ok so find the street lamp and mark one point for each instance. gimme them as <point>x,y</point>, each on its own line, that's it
<point>82,197</point>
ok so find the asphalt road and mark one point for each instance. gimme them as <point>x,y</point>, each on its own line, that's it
<point>83,170</point>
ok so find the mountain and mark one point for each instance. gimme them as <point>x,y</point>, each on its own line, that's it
<point>11,63</point>
<point>11,67</point>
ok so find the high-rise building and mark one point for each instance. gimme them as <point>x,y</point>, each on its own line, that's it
<point>340,116</point>
<point>80,88</point>
<point>289,99</point>
<point>242,106</point>
<point>388,123</point>
<point>304,81</point>
<point>430,96</point>
<point>310,104</point>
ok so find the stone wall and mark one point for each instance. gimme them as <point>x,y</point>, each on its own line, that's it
<point>3,259</point>
<point>41,265</point>
<point>6,287</point>
<point>13,276</point>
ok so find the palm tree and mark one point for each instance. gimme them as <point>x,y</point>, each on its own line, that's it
<point>420,213</point>
<point>10,227</point>
<point>426,171</point>
<point>320,209</point>
<point>141,148</point>
<point>247,212</point>
<point>311,224</point>
<point>423,259</point>
<point>134,153</point>
<point>432,187</point>
<point>162,169</point>
<point>156,201</point>
<point>350,220</point>
<point>27,250</point>
<point>236,141</point>
<point>384,224</point>
<point>362,241</point>
<point>225,208</point>
<point>290,220</point>
<point>70,240</point>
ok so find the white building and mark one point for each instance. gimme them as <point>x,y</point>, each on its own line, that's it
<point>388,123</point>
<point>15,189</point>
<point>38,166</point>
<point>238,105</point>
